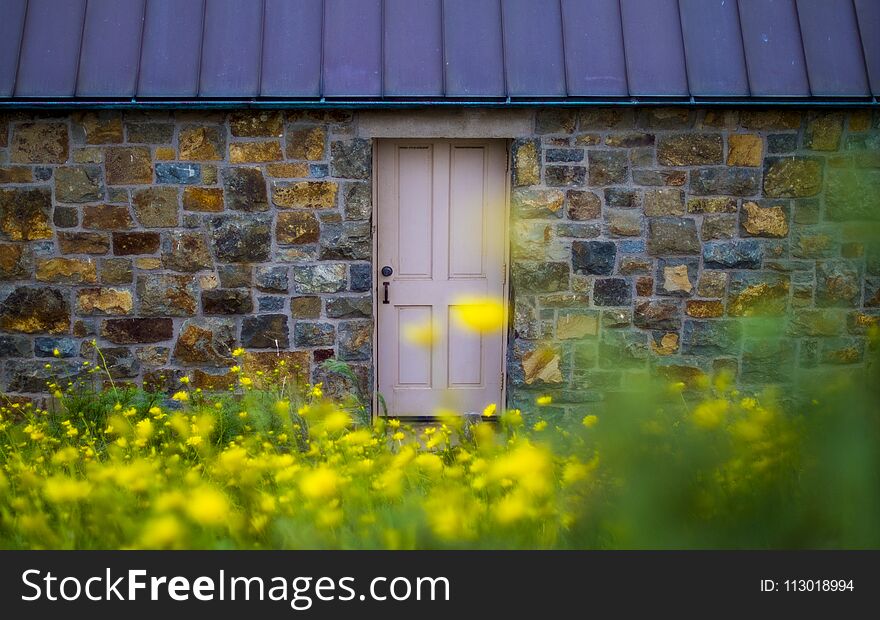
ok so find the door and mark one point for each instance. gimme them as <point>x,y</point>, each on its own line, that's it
<point>441,229</point>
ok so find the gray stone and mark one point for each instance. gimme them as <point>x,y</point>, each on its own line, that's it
<point>184,251</point>
<point>346,241</point>
<point>743,254</point>
<point>120,362</point>
<point>323,278</point>
<point>583,205</point>
<point>241,239</point>
<point>838,283</point>
<point>718,226</point>
<point>691,149</point>
<point>349,307</point>
<point>79,184</point>
<point>725,181</point>
<point>46,347</point>
<point>767,360</point>
<point>355,340</point>
<point>227,301</point>
<point>710,338</point>
<point>623,348</point>
<point>565,176</point>
<point>663,315</point>
<point>612,292</point>
<point>272,279</point>
<point>358,201</point>
<point>351,159</point>
<point>307,334</point>
<point>672,236</point>
<point>564,155</point>
<point>593,257</point>
<point>166,295</point>
<point>529,277</point>
<point>361,277</point>
<point>265,331</point>
<point>178,174</point>
<point>245,189</point>
<point>607,167</point>
<point>667,201</point>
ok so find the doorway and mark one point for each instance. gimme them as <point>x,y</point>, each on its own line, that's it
<point>441,240</point>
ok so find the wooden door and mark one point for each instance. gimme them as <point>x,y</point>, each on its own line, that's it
<point>441,228</point>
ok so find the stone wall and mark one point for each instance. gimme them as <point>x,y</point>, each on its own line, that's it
<point>640,239</point>
<point>659,238</point>
<point>172,238</point>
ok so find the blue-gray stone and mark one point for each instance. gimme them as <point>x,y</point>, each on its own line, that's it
<point>361,277</point>
<point>179,174</point>
<point>319,171</point>
<point>593,257</point>
<point>563,155</point>
<point>265,331</point>
<point>355,340</point>
<point>272,279</point>
<point>631,246</point>
<point>270,304</point>
<point>743,254</point>
<point>45,347</point>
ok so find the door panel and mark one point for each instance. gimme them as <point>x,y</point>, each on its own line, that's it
<point>441,227</point>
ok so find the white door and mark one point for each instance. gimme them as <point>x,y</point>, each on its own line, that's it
<point>441,228</point>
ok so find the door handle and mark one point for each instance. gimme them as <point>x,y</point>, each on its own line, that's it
<point>385,295</point>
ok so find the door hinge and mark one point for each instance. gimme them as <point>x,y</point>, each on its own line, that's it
<point>503,274</point>
<point>507,158</point>
<point>501,380</point>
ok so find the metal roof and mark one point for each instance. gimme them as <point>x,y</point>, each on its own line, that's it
<point>437,50</point>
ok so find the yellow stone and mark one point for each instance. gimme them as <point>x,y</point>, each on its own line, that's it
<point>760,299</point>
<point>288,171</point>
<point>306,194</point>
<point>704,308</point>
<point>67,270</point>
<point>667,345</point>
<point>16,174</point>
<point>199,144</point>
<point>764,221</point>
<point>104,301</point>
<point>148,263</point>
<point>526,164</point>
<point>576,326</point>
<point>676,279</point>
<point>88,155</point>
<point>860,120</point>
<point>542,364</point>
<point>306,143</point>
<point>203,199</point>
<point>165,153</point>
<point>745,150</point>
<point>254,152</point>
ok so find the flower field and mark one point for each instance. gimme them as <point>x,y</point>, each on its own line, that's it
<point>272,465</point>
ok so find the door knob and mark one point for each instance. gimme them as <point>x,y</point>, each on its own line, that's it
<point>387,271</point>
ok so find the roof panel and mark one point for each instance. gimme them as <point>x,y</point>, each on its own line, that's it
<point>533,48</point>
<point>594,59</point>
<point>654,52</point>
<point>111,46</point>
<point>232,48</point>
<point>868,12</point>
<point>413,48</point>
<point>716,65</point>
<point>50,48</point>
<point>772,43</point>
<point>292,49</point>
<point>11,27</point>
<point>830,34</point>
<point>171,49</point>
<point>352,48</point>
<point>473,48</point>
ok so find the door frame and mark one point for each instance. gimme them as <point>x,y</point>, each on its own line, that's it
<point>505,287</point>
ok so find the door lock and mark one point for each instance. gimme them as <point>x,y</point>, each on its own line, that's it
<point>387,271</point>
